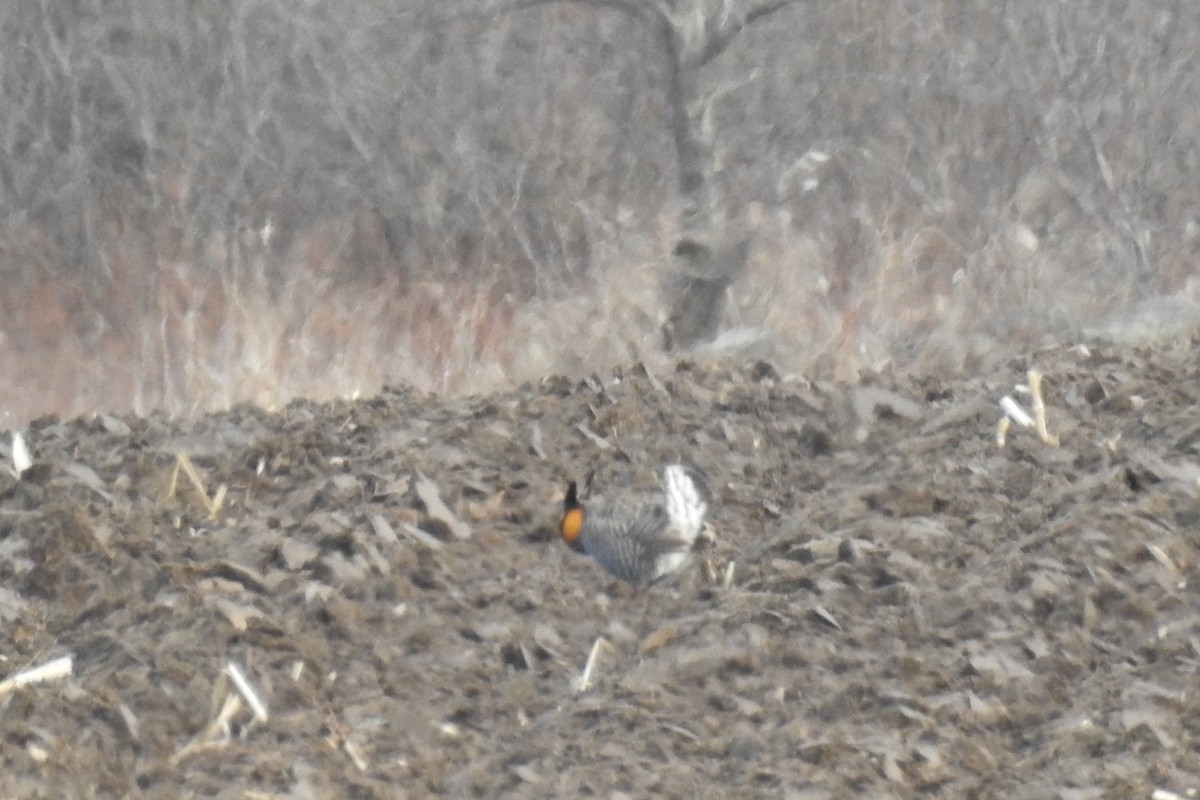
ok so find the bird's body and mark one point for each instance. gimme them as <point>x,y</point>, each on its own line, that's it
<point>638,544</point>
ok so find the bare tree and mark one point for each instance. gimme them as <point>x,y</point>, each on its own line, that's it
<point>710,253</point>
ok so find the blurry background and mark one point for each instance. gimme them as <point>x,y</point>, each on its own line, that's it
<point>210,201</point>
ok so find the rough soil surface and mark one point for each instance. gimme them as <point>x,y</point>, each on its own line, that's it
<point>892,605</point>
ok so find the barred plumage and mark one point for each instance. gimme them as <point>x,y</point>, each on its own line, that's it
<point>638,545</point>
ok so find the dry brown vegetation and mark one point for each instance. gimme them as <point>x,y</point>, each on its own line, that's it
<point>201,204</point>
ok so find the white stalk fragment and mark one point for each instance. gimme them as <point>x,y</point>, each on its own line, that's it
<point>247,692</point>
<point>50,671</point>
<point>1039,409</point>
<point>215,734</point>
<point>355,756</point>
<point>585,680</point>
<point>1013,411</point>
<point>1163,794</point>
<point>184,464</point>
<point>22,460</point>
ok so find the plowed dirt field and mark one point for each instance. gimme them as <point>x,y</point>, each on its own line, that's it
<point>891,603</point>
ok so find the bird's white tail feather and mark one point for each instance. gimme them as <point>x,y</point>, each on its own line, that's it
<point>685,506</point>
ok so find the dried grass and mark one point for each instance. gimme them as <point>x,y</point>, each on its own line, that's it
<point>231,323</point>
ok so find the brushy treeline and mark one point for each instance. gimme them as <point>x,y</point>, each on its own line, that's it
<point>204,201</point>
